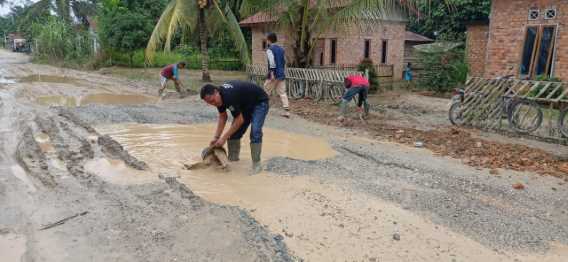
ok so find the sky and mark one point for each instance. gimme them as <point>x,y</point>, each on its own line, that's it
<point>9,3</point>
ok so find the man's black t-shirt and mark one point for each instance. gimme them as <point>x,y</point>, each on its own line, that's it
<point>241,97</point>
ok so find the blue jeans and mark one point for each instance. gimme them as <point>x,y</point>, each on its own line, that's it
<point>254,118</point>
<point>353,91</point>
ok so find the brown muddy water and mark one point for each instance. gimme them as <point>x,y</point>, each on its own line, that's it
<point>48,79</point>
<point>100,99</point>
<point>321,221</point>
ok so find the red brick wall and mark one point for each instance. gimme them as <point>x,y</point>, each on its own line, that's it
<point>477,36</point>
<point>350,45</point>
<point>258,36</point>
<point>509,19</point>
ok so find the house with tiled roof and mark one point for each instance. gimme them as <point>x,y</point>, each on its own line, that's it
<point>385,43</point>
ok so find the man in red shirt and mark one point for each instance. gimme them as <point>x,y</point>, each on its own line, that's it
<point>171,72</point>
<point>355,85</point>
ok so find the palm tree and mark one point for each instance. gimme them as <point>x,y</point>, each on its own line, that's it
<point>191,15</point>
<point>306,20</point>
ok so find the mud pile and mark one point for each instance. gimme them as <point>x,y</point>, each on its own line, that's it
<point>454,142</point>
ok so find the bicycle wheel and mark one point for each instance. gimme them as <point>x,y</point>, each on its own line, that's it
<point>525,116</point>
<point>315,91</point>
<point>563,122</point>
<point>456,114</point>
<point>318,92</point>
<point>335,92</point>
<point>297,91</point>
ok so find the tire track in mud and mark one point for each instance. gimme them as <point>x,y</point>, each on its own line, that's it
<point>194,230</point>
<point>33,160</point>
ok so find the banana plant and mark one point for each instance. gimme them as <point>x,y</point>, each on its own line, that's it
<point>203,16</point>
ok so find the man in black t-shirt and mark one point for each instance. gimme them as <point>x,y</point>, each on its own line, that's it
<point>248,104</point>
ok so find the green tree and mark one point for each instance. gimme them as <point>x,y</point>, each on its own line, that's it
<point>445,21</point>
<point>123,30</point>
<point>203,17</point>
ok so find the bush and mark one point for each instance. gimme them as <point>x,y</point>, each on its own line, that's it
<point>186,54</point>
<point>367,65</point>
<point>56,40</point>
<point>443,70</point>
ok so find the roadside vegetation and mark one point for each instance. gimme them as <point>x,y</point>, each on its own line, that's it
<point>153,33</point>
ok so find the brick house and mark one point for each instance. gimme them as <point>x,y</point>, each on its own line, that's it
<point>384,43</point>
<point>524,38</point>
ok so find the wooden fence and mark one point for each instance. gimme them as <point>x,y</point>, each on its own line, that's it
<point>319,84</point>
<point>382,70</point>
<point>487,101</point>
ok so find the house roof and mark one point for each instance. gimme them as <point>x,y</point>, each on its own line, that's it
<point>258,18</point>
<point>263,17</point>
<point>414,37</point>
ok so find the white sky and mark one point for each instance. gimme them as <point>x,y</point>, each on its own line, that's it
<point>9,3</point>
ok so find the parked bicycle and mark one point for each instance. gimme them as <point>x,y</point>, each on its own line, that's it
<point>523,115</point>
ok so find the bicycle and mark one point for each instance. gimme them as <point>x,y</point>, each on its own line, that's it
<point>515,110</point>
<point>562,119</point>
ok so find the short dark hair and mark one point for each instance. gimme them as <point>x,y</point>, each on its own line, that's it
<point>182,63</point>
<point>208,90</point>
<point>272,37</point>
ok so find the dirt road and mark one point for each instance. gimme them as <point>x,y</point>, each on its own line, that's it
<point>108,155</point>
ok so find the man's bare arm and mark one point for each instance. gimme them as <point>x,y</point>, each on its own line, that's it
<point>221,124</point>
<point>237,123</point>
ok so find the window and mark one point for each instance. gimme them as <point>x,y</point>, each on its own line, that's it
<point>384,52</point>
<point>264,44</point>
<point>333,51</point>
<point>538,51</point>
<point>550,13</point>
<point>534,14</point>
<point>321,58</point>
<point>367,48</point>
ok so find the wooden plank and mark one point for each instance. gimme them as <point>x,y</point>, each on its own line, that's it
<point>558,86</point>
<point>488,95</point>
<point>543,90</point>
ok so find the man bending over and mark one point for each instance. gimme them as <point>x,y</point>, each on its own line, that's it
<point>248,104</point>
<point>171,72</point>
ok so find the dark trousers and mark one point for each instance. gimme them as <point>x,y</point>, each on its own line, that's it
<point>255,118</point>
<point>362,91</point>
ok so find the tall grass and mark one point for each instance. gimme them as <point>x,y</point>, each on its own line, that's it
<point>56,39</point>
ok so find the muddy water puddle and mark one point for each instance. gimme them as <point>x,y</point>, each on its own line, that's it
<point>101,99</point>
<point>6,81</point>
<point>48,79</point>
<point>319,220</point>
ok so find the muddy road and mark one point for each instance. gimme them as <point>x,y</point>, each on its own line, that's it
<point>92,170</point>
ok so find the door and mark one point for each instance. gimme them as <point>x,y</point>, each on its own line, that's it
<point>319,51</point>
